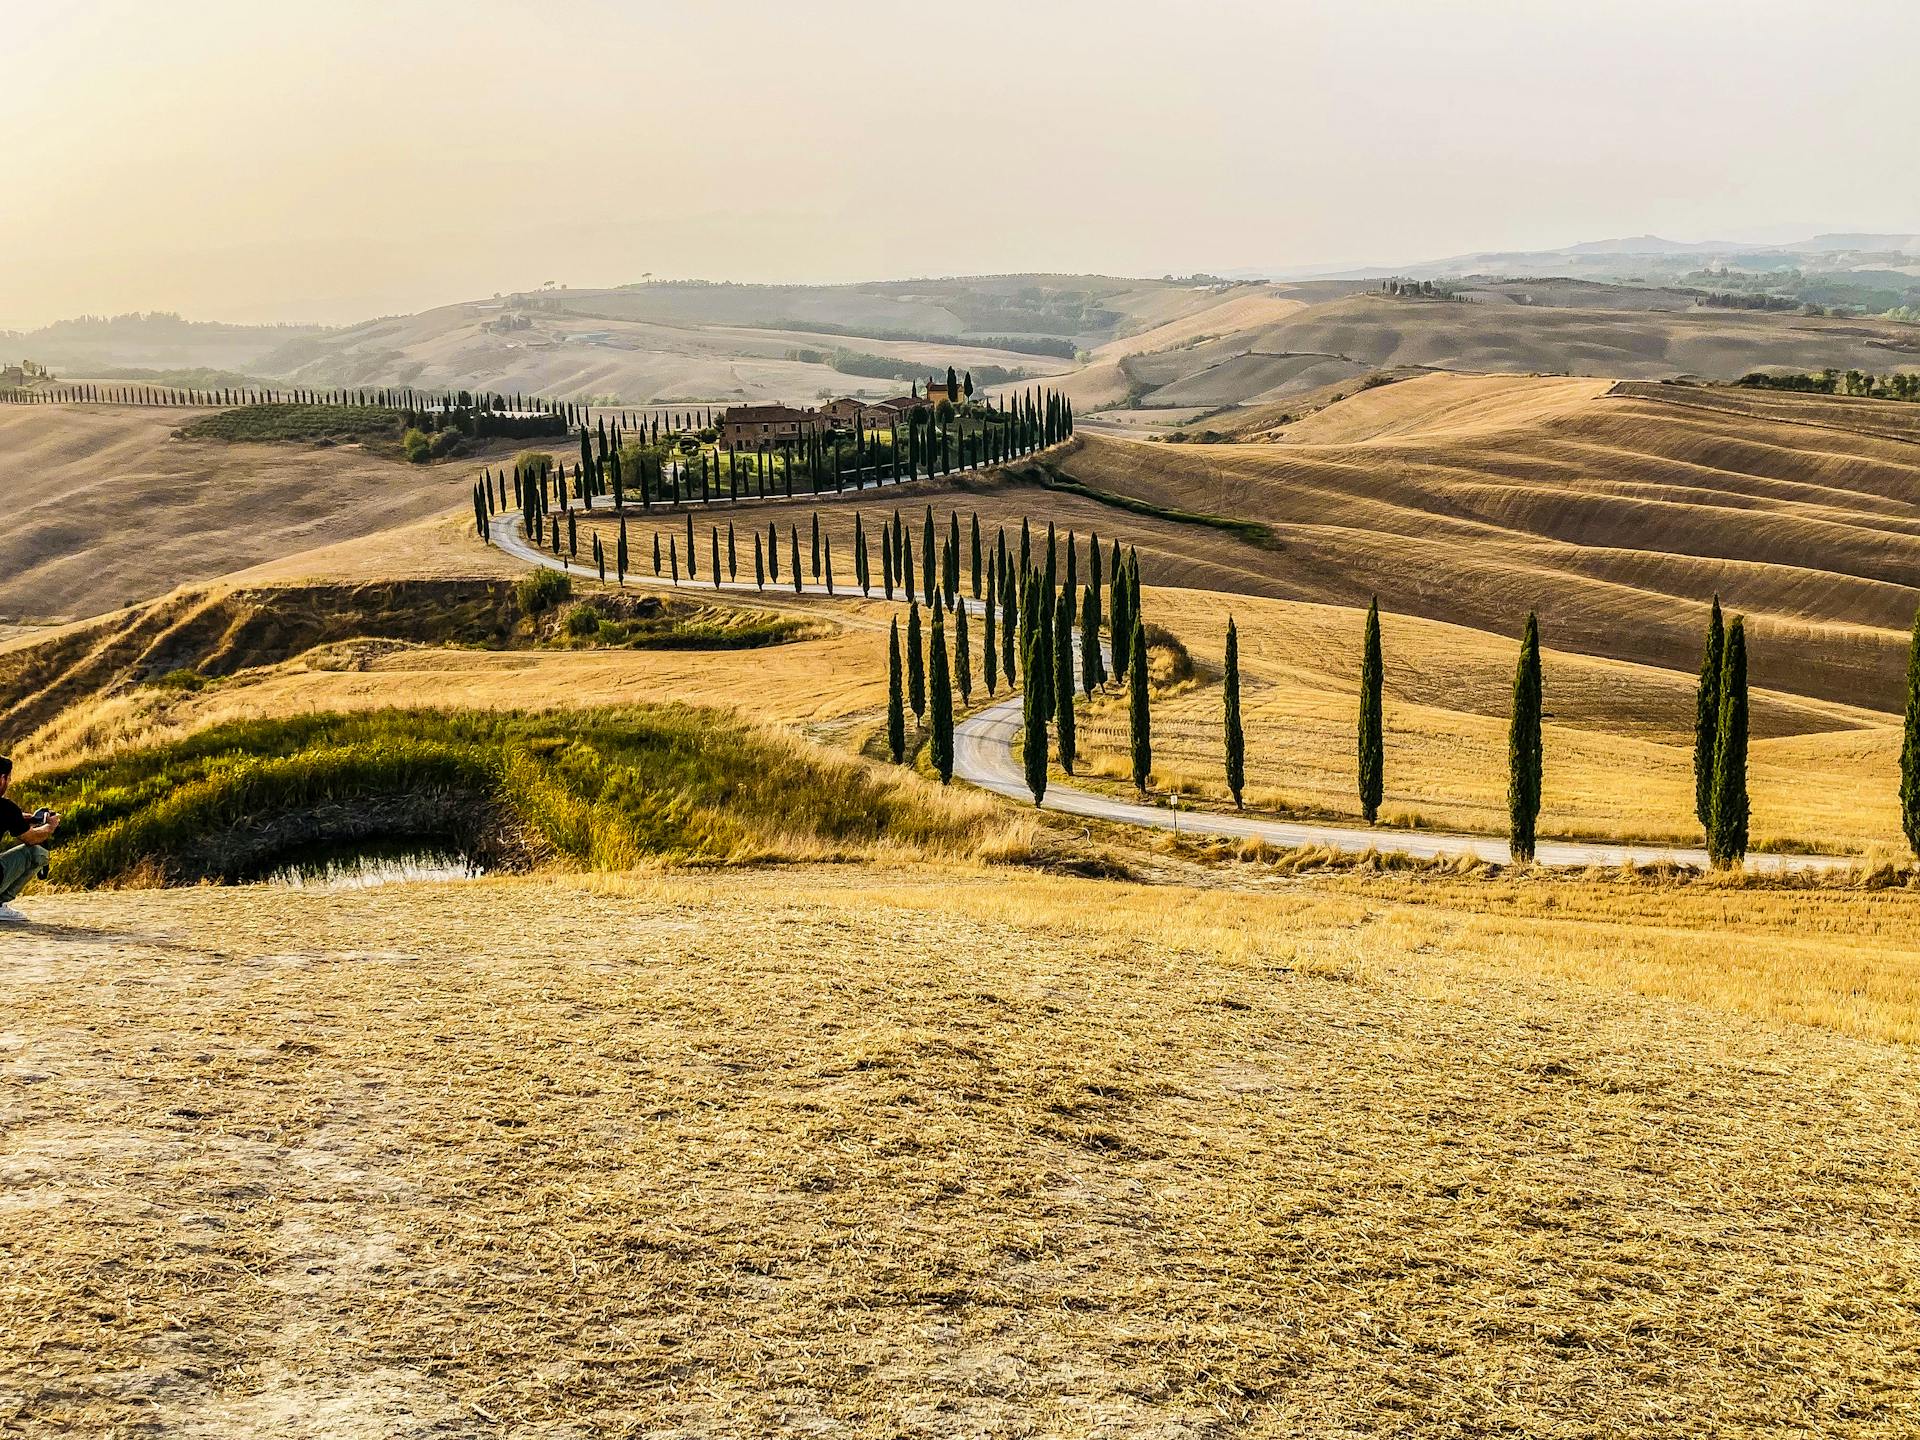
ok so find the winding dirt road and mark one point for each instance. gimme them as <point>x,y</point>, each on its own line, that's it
<point>983,756</point>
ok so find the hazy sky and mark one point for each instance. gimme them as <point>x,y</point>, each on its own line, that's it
<point>270,159</point>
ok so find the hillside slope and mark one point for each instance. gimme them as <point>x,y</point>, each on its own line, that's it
<point>1618,517</point>
<point>105,507</point>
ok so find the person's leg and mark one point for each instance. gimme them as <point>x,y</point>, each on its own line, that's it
<point>18,867</point>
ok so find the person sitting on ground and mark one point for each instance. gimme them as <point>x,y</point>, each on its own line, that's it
<point>28,860</point>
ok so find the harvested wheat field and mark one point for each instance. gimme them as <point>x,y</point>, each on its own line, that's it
<point>859,1153</point>
<point>1618,516</point>
<point>1619,737</point>
<point>86,482</point>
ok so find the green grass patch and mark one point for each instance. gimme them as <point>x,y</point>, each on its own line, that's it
<point>1049,478</point>
<point>301,424</point>
<point>652,625</point>
<point>606,789</point>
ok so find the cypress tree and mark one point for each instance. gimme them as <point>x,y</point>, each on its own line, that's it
<point>620,553</point>
<point>773,552</point>
<point>733,568</point>
<point>1033,709</point>
<point>988,646</point>
<point>1910,746</point>
<point>886,564</point>
<point>1119,621</point>
<point>793,539</point>
<point>1089,640</point>
<point>976,554</point>
<point>1139,720</point>
<point>896,710</point>
<point>1524,765</point>
<point>953,556</point>
<point>1706,716</point>
<point>693,570</point>
<point>1236,739</point>
<point>916,667</point>
<point>829,559</point>
<point>1372,738</point>
<point>713,539</point>
<point>1040,675</point>
<point>861,575</point>
<point>816,544</point>
<point>599,558</point>
<point>673,558</point>
<point>941,699</point>
<point>928,580</point>
<point>1009,619</point>
<point>1063,679</point>
<point>962,656</point>
<point>1727,836</point>
<point>656,554</point>
<point>759,564</point>
<point>906,566</point>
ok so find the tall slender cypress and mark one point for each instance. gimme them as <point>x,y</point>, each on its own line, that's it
<point>733,568</point>
<point>940,698</point>
<point>896,710</point>
<point>906,565</point>
<point>793,539</point>
<point>1063,679</point>
<point>962,655</point>
<point>759,563</point>
<point>1089,640</point>
<point>1706,716</point>
<point>1040,675</point>
<point>1119,622</point>
<point>1009,618</point>
<point>816,544</point>
<point>916,664</point>
<point>976,554</point>
<point>1910,747</point>
<point>1372,737</point>
<point>1524,763</point>
<point>1034,713</point>
<point>1236,740</point>
<point>693,570</point>
<point>1727,835</point>
<point>929,575</point>
<point>989,644</point>
<point>1139,721</point>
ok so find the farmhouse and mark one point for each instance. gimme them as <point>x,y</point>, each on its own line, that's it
<point>848,414</point>
<point>749,425</point>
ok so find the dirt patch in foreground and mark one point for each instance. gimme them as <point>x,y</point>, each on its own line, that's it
<point>928,1155</point>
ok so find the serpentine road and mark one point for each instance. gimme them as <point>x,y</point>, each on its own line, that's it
<point>983,756</point>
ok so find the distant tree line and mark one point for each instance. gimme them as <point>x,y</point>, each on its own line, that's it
<point>1899,385</point>
<point>1017,344</point>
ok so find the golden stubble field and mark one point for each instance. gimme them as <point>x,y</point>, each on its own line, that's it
<point>106,508</point>
<point>960,1152</point>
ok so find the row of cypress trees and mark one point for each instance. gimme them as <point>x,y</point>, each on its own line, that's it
<point>1722,803</point>
<point>1029,619</point>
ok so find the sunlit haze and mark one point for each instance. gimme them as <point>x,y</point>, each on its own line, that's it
<point>334,161</point>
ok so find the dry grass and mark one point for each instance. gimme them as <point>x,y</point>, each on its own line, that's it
<point>932,1153</point>
<point>106,508</point>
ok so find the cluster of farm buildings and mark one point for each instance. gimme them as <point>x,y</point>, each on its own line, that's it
<point>750,425</point>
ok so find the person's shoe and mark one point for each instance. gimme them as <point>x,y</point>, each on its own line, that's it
<point>11,916</point>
